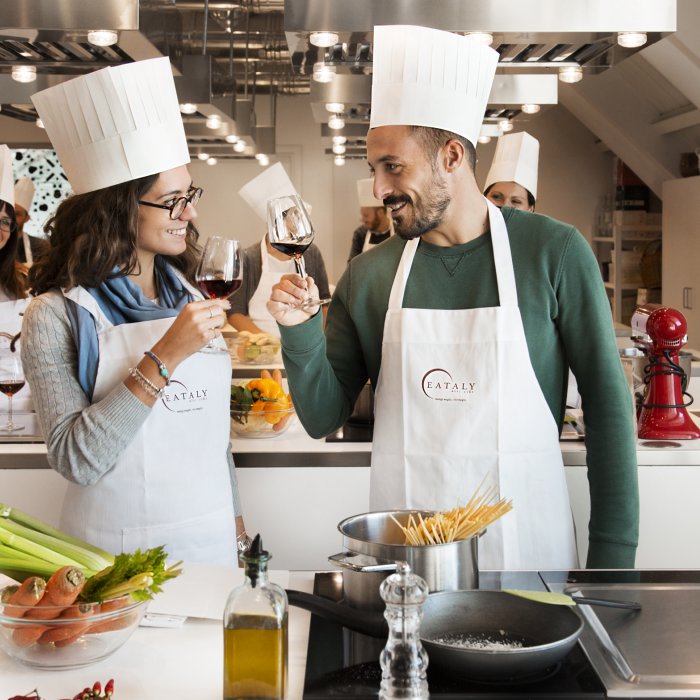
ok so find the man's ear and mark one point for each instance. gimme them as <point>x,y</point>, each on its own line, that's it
<point>453,155</point>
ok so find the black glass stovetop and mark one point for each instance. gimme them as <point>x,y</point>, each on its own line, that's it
<point>344,664</point>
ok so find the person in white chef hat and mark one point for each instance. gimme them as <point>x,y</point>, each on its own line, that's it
<point>263,266</point>
<point>376,223</point>
<point>133,414</point>
<point>512,179</point>
<point>30,246</point>
<point>466,322</point>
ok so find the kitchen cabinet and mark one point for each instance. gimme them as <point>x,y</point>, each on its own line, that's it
<point>620,251</point>
<point>681,234</point>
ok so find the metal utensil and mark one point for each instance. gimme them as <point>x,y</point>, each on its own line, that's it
<point>564,599</point>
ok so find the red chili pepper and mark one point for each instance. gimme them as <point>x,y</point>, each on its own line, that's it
<point>109,688</point>
<point>97,687</point>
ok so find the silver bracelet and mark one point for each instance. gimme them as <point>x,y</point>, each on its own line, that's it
<point>146,384</point>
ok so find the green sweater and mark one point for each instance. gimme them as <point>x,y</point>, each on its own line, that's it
<point>566,316</point>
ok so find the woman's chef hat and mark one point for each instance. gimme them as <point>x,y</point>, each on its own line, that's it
<point>24,193</point>
<point>365,193</point>
<point>271,183</point>
<point>427,77</point>
<point>115,124</point>
<point>7,190</point>
<point>515,160</point>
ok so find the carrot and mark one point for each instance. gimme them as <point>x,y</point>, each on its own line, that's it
<point>28,594</point>
<point>265,374</point>
<point>277,376</point>
<point>69,640</point>
<point>113,623</point>
<point>114,604</point>
<point>78,612</point>
<point>28,634</point>
<point>279,425</point>
<point>61,590</point>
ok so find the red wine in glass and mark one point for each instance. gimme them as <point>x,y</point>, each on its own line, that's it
<point>218,288</point>
<point>11,388</point>
<point>293,250</point>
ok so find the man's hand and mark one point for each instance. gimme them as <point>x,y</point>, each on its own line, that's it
<point>291,290</point>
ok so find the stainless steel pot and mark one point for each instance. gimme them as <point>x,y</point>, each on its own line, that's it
<point>373,544</point>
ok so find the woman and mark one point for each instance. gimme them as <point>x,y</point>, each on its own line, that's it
<point>512,179</point>
<point>133,415</point>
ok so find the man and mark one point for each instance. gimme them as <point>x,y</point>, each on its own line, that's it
<point>376,224</point>
<point>466,323</point>
<point>30,246</point>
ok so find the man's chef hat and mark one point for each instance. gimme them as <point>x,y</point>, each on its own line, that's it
<point>271,183</point>
<point>365,193</point>
<point>427,77</point>
<point>7,190</point>
<point>24,193</point>
<point>515,160</point>
<point>116,124</point>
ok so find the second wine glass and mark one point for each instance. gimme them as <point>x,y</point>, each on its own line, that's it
<point>11,381</point>
<point>219,274</point>
<point>291,232</point>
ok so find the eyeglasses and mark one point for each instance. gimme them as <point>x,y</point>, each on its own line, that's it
<point>8,225</point>
<point>179,205</point>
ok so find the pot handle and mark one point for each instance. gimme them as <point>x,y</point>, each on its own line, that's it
<point>362,562</point>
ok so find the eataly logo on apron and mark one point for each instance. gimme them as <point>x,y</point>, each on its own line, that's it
<point>181,399</point>
<point>438,384</point>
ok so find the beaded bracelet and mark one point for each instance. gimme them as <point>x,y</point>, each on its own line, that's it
<point>161,366</point>
<point>146,384</point>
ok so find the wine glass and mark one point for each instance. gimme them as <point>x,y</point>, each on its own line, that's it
<point>290,231</point>
<point>11,381</point>
<point>219,274</point>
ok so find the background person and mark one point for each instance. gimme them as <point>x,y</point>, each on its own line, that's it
<point>31,246</point>
<point>263,266</point>
<point>376,223</point>
<point>512,178</point>
<point>466,323</point>
<point>132,414</point>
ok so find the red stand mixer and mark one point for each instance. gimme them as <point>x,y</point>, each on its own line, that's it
<point>662,415</point>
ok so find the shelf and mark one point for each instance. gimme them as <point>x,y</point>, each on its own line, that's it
<point>626,287</point>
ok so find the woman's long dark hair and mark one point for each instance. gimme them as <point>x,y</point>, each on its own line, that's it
<point>13,274</point>
<point>90,234</point>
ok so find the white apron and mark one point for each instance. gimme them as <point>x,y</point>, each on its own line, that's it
<point>367,244</point>
<point>171,485</point>
<point>271,273</point>
<point>11,322</point>
<point>457,400</point>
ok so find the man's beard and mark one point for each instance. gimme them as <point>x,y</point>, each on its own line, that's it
<point>426,216</point>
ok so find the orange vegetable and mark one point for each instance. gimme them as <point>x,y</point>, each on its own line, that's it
<point>29,593</point>
<point>28,634</point>
<point>61,590</point>
<point>78,612</point>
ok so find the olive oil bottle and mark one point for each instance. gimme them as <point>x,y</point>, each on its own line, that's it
<point>255,633</point>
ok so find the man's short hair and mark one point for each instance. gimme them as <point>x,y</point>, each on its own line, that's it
<point>432,140</point>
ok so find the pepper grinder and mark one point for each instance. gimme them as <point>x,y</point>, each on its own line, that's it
<point>404,661</point>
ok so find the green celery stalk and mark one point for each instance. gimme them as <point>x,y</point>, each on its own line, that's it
<point>36,550</point>
<point>11,553</point>
<point>30,521</point>
<point>19,569</point>
<point>82,556</point>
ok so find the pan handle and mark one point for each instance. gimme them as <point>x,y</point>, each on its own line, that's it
<point>362,562</point>
<point>364,621</point>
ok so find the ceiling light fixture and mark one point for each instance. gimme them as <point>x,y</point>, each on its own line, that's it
<point>323,39</point>
<point>231,138</point>
<point>202,155</point>
<point>505,125</point>
<point>262,159</point>
<point>336,122</point>
<point>239,146</point>
<point>631,40</point>
<point>213,121</point>
<point>188,107</point>
<point>40,124</point>
<point>484,38</point>
<point>339,148</point>
<point>102,37</point>
<point>212,161</point>
<point>570,74</point>
<point>24,74</point>
<point>530,108</point>
<point>323,73</point>
<point>483,139</point>
<point>339,139</point>
<point>339,160</point>
<point>335,107</point>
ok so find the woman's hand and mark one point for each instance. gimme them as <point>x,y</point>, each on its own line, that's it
<point>291,289</point>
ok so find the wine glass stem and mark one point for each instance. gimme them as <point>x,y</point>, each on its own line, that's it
<point>299,264</point>
<point>9,412</point>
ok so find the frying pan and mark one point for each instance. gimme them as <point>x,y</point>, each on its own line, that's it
<point>546,632</point>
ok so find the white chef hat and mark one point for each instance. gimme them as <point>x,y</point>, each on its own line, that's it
<point>515,160</point>
<point>427,77</point>
<point>271,183</point>
<point>7,190</point>
<point>365,193</point>
<point>115,124</point>
<point>24,193</point>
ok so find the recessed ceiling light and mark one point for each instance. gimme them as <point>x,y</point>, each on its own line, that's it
<point>231,138</point>
<point>40,124</point>
<point>239,146</point>
<point>323,73</point>
<point>530,108</point>
<point>339,139</point>
<point>335,107</point>
<point>336,122</point>
<point>484,38</point>
<point>506,125</point>
<point>213,121</point>
<point>323,39</point>
<point>188,107</point>
<point>570,74</point>
<point>339,148</point>
<point>263,159</point>
<point>24,74</point>
<point>212,161</point>
<point>102,37</point>
<point>631,40</point>
<point>339,160</point>
<point>203,156</point>
<point>483,139</point>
